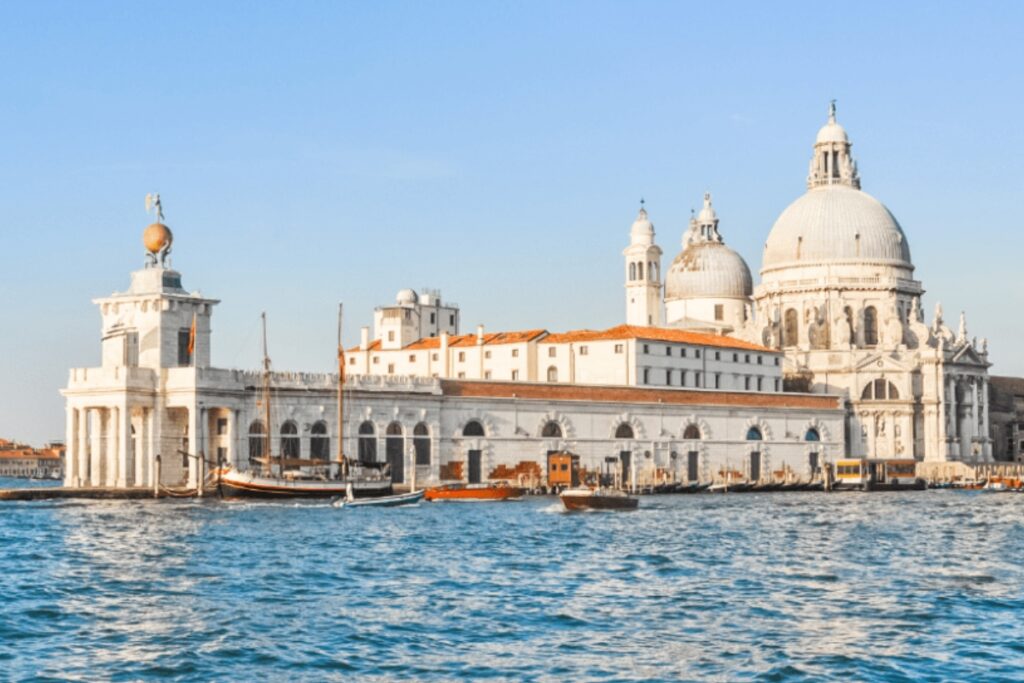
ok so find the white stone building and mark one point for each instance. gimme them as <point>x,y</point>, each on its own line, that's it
<point>156,394</point>
<point>838,297</point>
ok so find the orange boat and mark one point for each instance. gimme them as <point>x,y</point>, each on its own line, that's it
<point>475,492</point>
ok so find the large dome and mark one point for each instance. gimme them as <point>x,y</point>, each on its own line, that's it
<point>835,223</point>
<point>708,270</point>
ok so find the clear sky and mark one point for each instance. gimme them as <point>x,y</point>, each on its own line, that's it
<point>309,153</point>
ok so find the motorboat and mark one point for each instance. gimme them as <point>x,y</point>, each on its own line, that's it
<point>475,492</point>
<point>585,498</point>
<point>350,501</point>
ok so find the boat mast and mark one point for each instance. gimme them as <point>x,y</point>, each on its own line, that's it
<point>266,398</point>
<point>341,397</point>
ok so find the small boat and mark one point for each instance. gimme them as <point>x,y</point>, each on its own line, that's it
<point>584,498</point>
<point>475,492</point>
<point>350,501</point>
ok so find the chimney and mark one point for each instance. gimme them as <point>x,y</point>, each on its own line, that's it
<point>479,334</point>
<point>444,355</point>
<point>364,338</point>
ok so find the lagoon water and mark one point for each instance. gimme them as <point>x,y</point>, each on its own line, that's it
<point>884,586</point>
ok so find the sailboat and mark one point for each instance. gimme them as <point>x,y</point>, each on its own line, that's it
<point>290,479</point>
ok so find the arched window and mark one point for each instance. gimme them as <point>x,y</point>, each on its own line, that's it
<point>754,434</point>
<point>791,323</point>
<point>880,390</point>
<point>257,434</point>
<point>624,431</point>
<point>290,440</point>
<point>552,430</point>
<point>367,443</point>
<point>651,275</point>
<point>632,271</point>
<point>394,429</point>
<point>812,435</point>
<point>473,428</point>
<point>692,432</point>
<point>421,443</point>
<point>552,374</point>
<point>870,326</point>
<point>640,271</point>
<point>319,442</point>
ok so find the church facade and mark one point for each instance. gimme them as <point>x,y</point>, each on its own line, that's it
<point>838,297</point>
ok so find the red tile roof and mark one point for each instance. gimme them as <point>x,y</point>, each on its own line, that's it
<point>655,334</point>
<point>490,338</point>
<point>611,394</point>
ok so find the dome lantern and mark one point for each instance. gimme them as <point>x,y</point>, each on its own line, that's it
<point>832,163</point>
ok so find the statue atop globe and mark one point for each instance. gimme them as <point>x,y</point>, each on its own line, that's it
<point>157,237</point>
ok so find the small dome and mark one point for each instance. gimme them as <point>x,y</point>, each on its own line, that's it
<point>157,237</point>
<point>708,270</point>
<point>642,226</point>
<point>406,297</point>
<point>835,223</point>
<point>832,132</point>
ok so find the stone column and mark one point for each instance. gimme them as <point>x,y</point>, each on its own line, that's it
<point>152,444</point>
<point>110,456</point>
<point>141,451</point>
<point>83,447</point>
<point>985,429</point>
<point>123,418</point>
<point>71,447</point>
<point>194,428</point>
<point>96,448</point>
<point>953,435</point>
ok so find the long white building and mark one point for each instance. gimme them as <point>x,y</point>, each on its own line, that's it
<point>454,407</point>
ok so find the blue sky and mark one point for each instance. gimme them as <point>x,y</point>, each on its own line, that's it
<point>310,153</point>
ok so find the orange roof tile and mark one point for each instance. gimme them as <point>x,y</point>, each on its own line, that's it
<point>612,394</point>
<point>655,334</point>
<point>490,338</point>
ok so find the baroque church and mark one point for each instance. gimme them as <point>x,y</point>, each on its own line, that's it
<point>838,297</point>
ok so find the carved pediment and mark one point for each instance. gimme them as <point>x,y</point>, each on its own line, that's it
<point>966,355</point>
<point>880,362</point>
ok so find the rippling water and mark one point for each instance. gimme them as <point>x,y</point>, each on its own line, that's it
<point>882,586</point>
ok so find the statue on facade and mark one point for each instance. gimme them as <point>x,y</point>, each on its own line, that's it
<point>961,334</point>
<point>918,334</point>
<point>843,333</point>
<point>893,331</point>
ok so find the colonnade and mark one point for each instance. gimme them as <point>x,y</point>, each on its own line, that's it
<point>967,421</point>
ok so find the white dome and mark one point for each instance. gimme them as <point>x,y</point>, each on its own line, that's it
<point>835,223</point>
<point>642,230</point>
<point>406,297</point>
<point>832,132</point>
<point>708,270</point>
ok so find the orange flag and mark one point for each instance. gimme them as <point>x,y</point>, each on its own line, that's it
<point>192,336</point>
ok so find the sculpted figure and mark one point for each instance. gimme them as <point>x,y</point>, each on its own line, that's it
<point>843,333</point>
<point>893,327</point>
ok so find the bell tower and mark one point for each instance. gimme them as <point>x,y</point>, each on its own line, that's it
<point>643,274</point>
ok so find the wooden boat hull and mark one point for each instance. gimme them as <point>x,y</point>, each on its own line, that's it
<point>233,484</point>
<point>598,502</point>
<point>382,501</point>
<point>470,494</point>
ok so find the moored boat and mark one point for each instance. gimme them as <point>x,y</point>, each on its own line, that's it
<point>475,492</point>
<point>350,500</point>
<point>302,478</point>
<point>585,498</point>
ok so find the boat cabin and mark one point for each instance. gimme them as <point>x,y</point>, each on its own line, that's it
<point>870,471</point>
